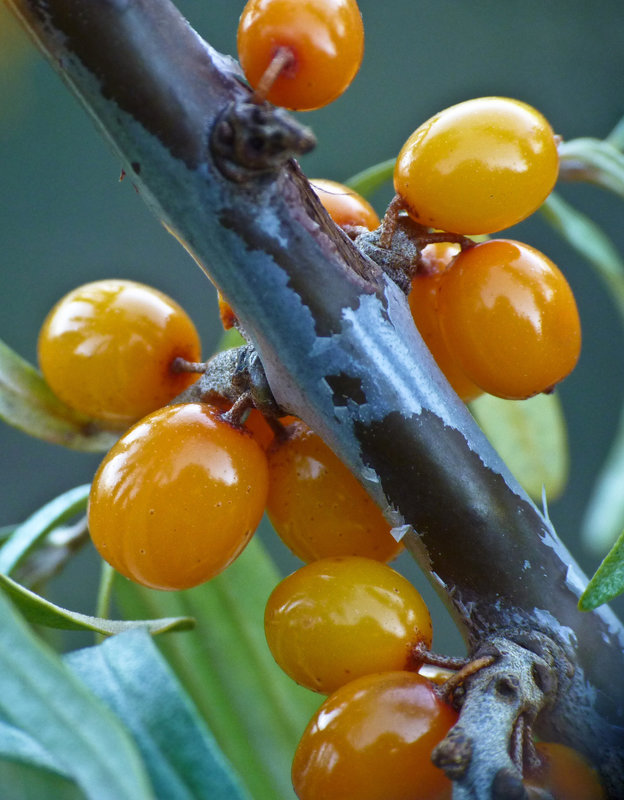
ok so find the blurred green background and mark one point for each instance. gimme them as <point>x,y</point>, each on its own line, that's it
<point>66,219</point>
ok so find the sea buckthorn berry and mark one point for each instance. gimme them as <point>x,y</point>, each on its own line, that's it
<point>325,42</point>
<point>565,774</point>
<point>317,506</point>
<point>372,740</point>
<point>423,302</point>
<point>178,497</point>
<point>340,618</point>
<point>226,313</point>
<point>509,318</point>
<point>345,206</point>
<point>106,350</point>
<point>478,166</point>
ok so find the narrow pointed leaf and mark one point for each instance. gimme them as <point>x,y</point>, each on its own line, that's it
<point>255,711</point>
<point>530,435</point>
<point>608,582</point>
<point>604,516</point>
<point>27,403</point>
<point>594,161</point>
<point>41,696</point>
<point>30,532</point>
<point>38,610</point>
<point>128,673</point>
<point>15,745</point>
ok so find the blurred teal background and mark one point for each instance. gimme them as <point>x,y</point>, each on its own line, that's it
<point>66,219</point>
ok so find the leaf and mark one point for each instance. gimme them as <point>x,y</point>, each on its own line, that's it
<point>38,610</point>
<point>182,758</point>
<point>587,238</point>
<point>16,745</point>
<point>30,532</point>
<point>530,436</point>
<point>608,582</point>
<point>254,710</point>
<point>369,180</point>
<point>229,339</point>
<point>604,515</point>
<point>21,781</point>
<point>594,161</point>
<point>27,403</point>
<point>40,695</point>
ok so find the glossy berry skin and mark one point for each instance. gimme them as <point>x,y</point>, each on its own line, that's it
<point>345,206</point>
<point>509,318</point>
<point>178,497</point>
<point>106,349</point>
<point>340,618</point>
<point>478,166</point>
<point>372,740</point>
<point>325,38</point>
<point>423,302</point>
<point>565,774</point>
<point>316,505</point>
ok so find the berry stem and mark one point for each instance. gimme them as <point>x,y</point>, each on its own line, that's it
<point>282,59</point>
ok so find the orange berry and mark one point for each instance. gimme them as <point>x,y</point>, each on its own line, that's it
<point>178,497</point>
<point>478,166</point>
<point>372,740</point>
<point>565,774</point>
<point>509,318</point>
<point>317,506</point>
<point>340,618</point>
<point>423,302</point>
<point>325,39</point>
<point>345,206</point>
<point>106,349</point>
<point>226,313</point>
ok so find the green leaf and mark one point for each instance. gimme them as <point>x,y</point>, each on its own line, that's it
<point>22,781</point>
<point>593,161</point>
<point>131,677</point>
<point>255,711</point>
<point>41,696</point>
<point>587,238</point>
<point>27,403</point>
<point>37,526</point>
<point>38,610</point>
<point>15,745</point>
<point>530,436</point>
<point>604,515</point>
<point>608,582</point>
<point>369,180</point>
<point>229,339</point>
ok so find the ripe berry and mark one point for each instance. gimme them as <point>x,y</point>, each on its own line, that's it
<point>345,206</point>
<point>178,497</point>
<point>478,166</point>
<point>423,302</point>
<point>340,618</point>
<point>509,318</point>
<point>106,349</point>
<point>372,740</point>
<point>565,774</point>
<point>324,42</point>
<point>316,505</point>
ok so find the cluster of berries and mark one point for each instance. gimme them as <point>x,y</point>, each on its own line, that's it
<point>181,493</point>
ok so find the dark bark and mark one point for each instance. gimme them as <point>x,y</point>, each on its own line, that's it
<point>339,348</point>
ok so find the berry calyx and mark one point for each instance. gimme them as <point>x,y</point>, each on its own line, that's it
<point>478,166</point>
<point>344,206</point>
<point>340,618</point>
<point>509,318</point>
<point>107,347</point>
<point>324,42</point>
<point>317,506</point>
<point>178,497</point>
<point>372,740</point>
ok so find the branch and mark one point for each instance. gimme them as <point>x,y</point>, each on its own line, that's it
<point>339,348</point>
